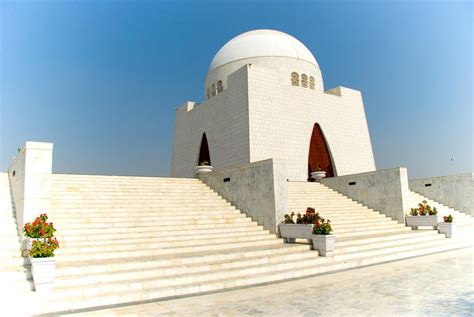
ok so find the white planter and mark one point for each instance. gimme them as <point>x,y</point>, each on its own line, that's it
<point>448,228</point>
<point>318,175</point>
<point>290,231</point>
<point>43,271</point>
<point>425,221</point>
<point>324,243</point>
<point>203,169</point>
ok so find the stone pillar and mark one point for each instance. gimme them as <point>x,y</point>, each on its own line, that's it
<point>30,179</point>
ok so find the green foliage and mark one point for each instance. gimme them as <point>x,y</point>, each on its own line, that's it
<point>414,212</point>
<point>46,243</point>
<point>39,228</point>
<point>322,226</point>
<point>423,210</point>
<point>44,248</point>
<point>448,218</point>
<point>289,218</point>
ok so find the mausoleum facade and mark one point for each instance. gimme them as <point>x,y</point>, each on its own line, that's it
<point>265,98</point>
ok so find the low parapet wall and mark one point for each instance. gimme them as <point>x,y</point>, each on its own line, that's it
<point>258,189</point>
<point>456,191</point>
<point>386,191</point>
<point>30,180</point>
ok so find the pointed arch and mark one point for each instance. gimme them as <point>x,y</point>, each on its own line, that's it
<point>319,154</point>
<point>204,155</point>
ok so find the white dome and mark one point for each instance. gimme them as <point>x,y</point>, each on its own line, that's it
<point>262,43</point>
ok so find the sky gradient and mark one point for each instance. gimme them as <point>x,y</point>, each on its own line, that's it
<point>101,79</point>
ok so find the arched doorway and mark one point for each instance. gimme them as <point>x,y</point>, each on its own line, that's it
<point>319,153</point>
<point>204,151</point>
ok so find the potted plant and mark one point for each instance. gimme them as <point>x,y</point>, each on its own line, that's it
<point>447,226</point>
<point>40,245</point>
<point>323,240</point>
<point>319,174</point>
<point>203,167</point>
<point>424,215</point>
<point>297,226</point>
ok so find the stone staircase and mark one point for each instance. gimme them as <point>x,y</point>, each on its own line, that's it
<point>132,239</point>
<point>15,276</point>
<point>464,222</point>
<point>363,234</point>
<point>127,240</point>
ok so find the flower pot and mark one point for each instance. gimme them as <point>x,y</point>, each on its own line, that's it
<point>448,228</point>
<point>290,231</point>
<point>318,175</point>
<point>416,221</point>
<point>43,271</point>
<point>324,243</point>
<point>203,169</point>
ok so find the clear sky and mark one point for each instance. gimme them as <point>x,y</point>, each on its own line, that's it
<point>101,79</point>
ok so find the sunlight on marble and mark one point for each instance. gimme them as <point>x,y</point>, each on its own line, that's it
<point>436,285</point>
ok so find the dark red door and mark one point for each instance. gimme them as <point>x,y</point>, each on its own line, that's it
<point>204,151</point>
<point>319,153</point>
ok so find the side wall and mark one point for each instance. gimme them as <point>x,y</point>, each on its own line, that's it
<point>30,180</point>
<point>456,191</point>
<point>224,119</point>
<point>282,119</point>
<point>385,190</point>
<point>259,189</point>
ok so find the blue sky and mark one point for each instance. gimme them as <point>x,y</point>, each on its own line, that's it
<point>101,79</point>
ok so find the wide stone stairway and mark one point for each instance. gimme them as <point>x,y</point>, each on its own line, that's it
<point>128,239</point>
<point>133,239</point>
<point>15,276</point>
<point>366,236</point>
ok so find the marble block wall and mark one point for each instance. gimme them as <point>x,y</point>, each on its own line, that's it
<point>258,189</point>
<point>30,180</point>
<point>386,191</point>
<point>456,191</point>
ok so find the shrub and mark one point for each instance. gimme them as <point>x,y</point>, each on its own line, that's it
<point>39,228</point>
<point>289,218</point>
<point>44,249</point>
<point>423,209</point>
<point>414,212</point>
<point>322,226</point>
<point>448,218</point>
<point>43,231</point>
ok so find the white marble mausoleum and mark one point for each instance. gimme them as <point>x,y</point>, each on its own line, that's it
<point>265,98</point>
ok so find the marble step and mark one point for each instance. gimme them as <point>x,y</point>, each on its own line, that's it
<point>167,275</point>
<point>116,296</point>
<point>177,228</point>
<point>384,236</point>
<point>147,251</point>
<point>367,229</point>
<point>362,247</point>
<point>100,234</point>
<point>122,179</point>
<point>64,219</point>
<point>144,210</point>
<point>182,223</point>
<point>182,203</point>
<point>157,244</point>
<point>181,261</point>
<point>355,235</point>
<point>181,239</point>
